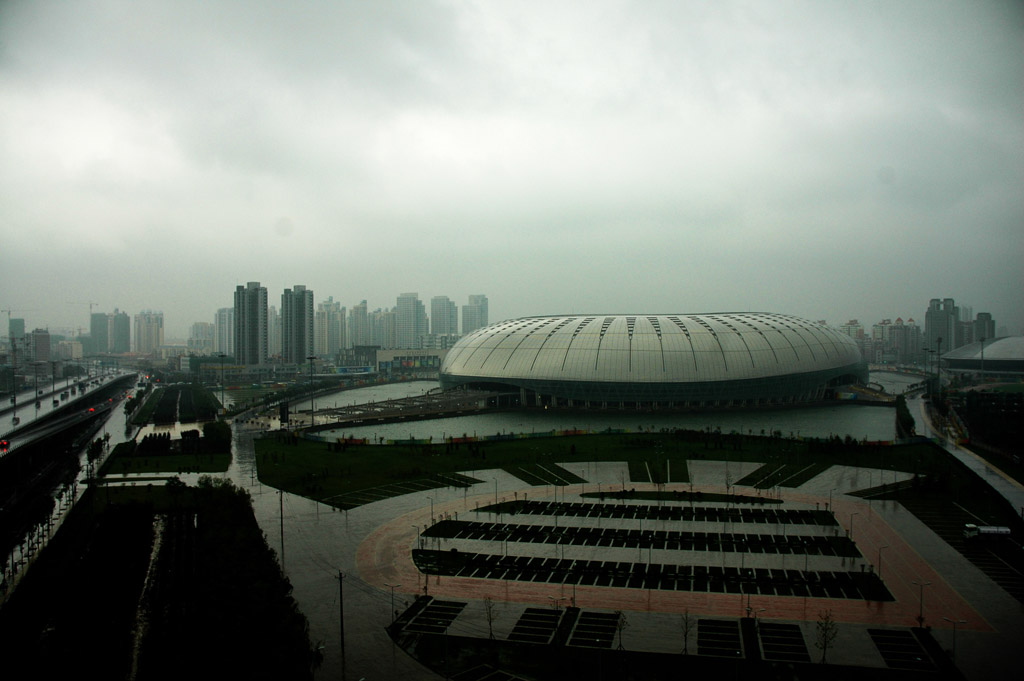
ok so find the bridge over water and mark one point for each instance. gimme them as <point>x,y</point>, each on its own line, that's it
<point>436,403</point>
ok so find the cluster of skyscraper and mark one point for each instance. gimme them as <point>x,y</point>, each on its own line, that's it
<point>946,327</point>
<point>253,331</point>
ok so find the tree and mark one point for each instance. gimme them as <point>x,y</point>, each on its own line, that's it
<point>686,624</point>
<point>489,614</point>
<point>827,631</point>
<point>620,626</point>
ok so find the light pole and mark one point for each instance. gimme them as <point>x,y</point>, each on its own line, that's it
<point>312,400</point>
<point>222,407</point>
<point>920,612</point>
<point>419,539</point>
<point>981,381</point>
<point>392,587</point>
<point>954,623</point>
<point>852,513</point>
<point>880,559</point>
<point>431,510</point>
<point>830,498</point>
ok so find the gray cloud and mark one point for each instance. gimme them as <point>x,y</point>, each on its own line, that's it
<point>830,161</point>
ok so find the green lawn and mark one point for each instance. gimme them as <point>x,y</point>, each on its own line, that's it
<point>321,470</point>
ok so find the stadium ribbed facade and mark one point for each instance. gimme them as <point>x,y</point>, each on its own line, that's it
<point>685,361</point>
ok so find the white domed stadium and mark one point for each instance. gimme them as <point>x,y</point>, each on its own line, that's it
<point>684,361</point>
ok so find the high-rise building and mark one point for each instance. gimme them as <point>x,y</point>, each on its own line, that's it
<point>296,324</point>
<point>16,329</point>
<point>410,320</point>
<point>853,328</point>
<point>200,338</point>
<point>149,331</point>
<point>39,345</point>
<point>120,332</point>
<point>984,326</point>
<point>224,333</point>
<point>329,328</point>
<point>358,326</point>
<point>273,332</point>
<point>474,315</point>
<point>941,320</point>
<point>99,333</point>
<point>251,324</point>
<point>444,316</point>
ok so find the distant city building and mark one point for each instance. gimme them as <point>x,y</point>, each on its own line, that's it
<point>297,324</point>
<point>273,332</point>
<point>69,350</point>
<point>120,332</point>
<point>224,333</point>
<point>444,316</point>
<point>410,320</point>
<point>896,342</point>
<point>149,332</point>
<point>99,333</point>
<point>852,328</point>
<point>329,328</point>
<point>474,315</point>
<point>956,326</point>
<point>16,329</point>
<point>384,328</point>
<point>358,326</point>
<point>941,321</point>
<point>251,324</point>
<point>200,338</point>
<point>984,326</point>
<point>39,345</point>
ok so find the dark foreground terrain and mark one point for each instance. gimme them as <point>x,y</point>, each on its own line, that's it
<point>209,602</point>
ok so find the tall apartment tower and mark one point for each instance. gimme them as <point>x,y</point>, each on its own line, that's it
<point>120,333</point>
<point>410,320</point>
<point>444,316</point>
<point>358,326</point>
<point>296,324</point>
<point>39,345</point>
<point>200,338</point>
<point>224,331</point>
<point>149,331</point>
<point>329,328</point>
<point>16,329</point>
<point>99,333</point>
<point>941,320</point>
<point>273,332</point>
<point>984,326</point>
<point>474,315</point>
<point>251,323</point>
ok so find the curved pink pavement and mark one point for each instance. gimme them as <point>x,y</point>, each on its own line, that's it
<point>385,557</point>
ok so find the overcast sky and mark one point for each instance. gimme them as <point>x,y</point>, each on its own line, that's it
<point>831,160</point>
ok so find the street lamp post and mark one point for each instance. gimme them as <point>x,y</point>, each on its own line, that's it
<point>920,612</point>
<point>392,587</point>
<point>852,513</point>
<point>431,510</point>
<point>830,498</point>
<point>954,623</point>
<point>880,559</point>
<point>312,399</point>
<point>222,356</point>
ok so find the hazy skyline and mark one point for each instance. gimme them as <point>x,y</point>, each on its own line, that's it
<point>827,160</point>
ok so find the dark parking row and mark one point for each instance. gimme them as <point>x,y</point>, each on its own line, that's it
<point>713,514</point>
<point>729,542</point>
<point>698,578</point>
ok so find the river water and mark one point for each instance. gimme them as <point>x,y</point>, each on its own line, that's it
<point>858,421</point>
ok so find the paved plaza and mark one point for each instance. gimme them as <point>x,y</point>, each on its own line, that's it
<point>925,577</point>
